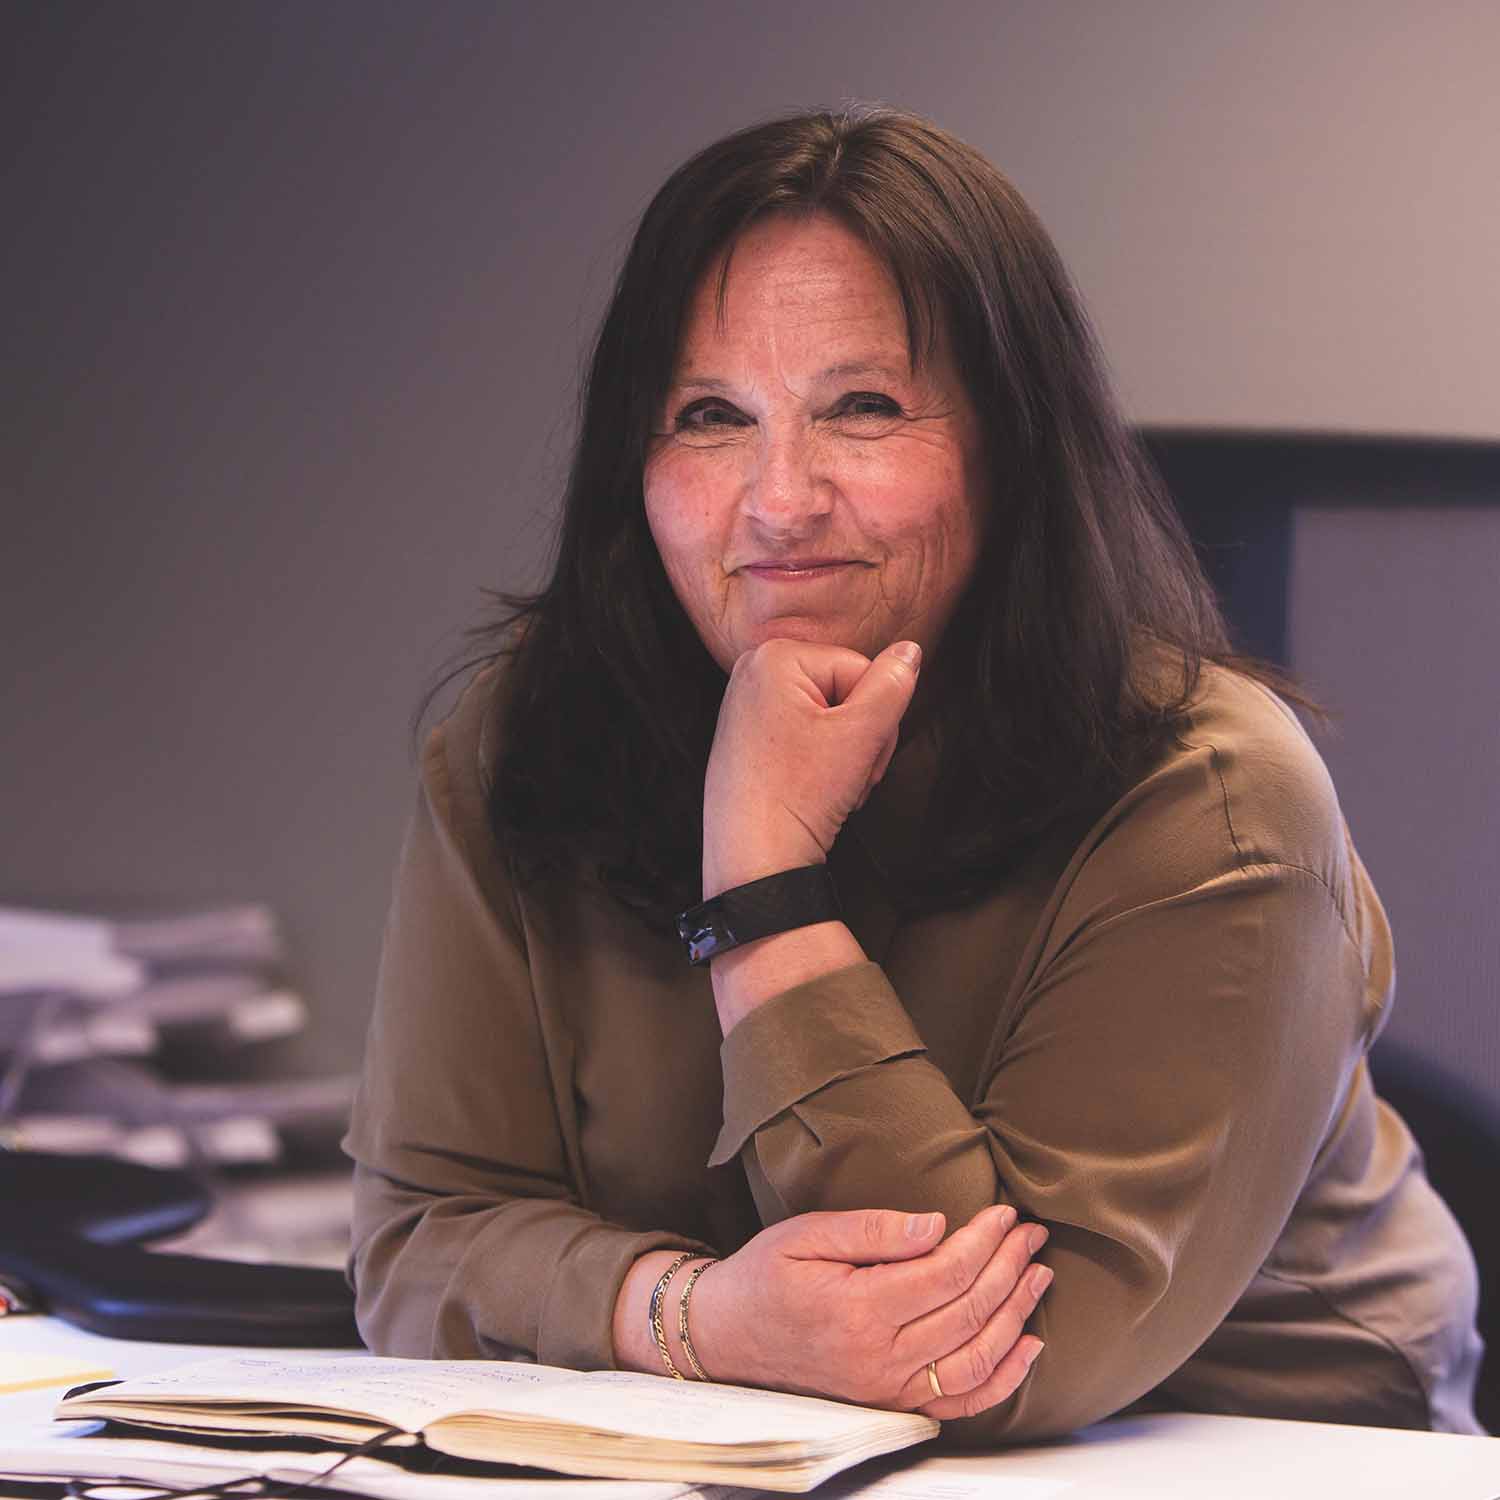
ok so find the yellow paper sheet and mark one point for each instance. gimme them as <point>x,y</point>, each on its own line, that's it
<point>31,1372</point>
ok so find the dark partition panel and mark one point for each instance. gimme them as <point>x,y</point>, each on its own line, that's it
<point>1239,493</point>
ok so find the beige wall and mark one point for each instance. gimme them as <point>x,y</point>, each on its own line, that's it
<point>295,296</point>
<point>1290,218</point>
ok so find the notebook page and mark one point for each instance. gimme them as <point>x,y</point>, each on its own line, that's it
<point>405,1393</point>
<point>649,1406</point>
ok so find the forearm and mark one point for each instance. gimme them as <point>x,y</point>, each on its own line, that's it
<point>832,1104</point>
<point>1158,1106</point>
<point>912,1144</point>
<point>462,1276</point>
<point>745,978</point>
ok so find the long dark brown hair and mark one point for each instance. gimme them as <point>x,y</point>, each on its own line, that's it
<point>1044,709</point>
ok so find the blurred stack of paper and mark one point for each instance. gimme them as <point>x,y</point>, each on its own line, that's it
<point>74,986</point>
<point>110,1029</point>
<point>123,1108</point>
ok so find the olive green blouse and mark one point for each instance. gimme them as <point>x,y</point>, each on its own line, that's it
<point>1151,1039</point>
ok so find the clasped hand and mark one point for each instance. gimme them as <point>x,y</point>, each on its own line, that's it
<point>805,732</point>
<point>856,1304</point>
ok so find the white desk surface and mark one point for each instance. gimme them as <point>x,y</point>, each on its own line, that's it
<point>1164,1457</point>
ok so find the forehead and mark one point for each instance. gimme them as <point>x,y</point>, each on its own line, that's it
<point>805,281</point>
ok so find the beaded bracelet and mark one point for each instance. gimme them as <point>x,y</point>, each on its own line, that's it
<point>682,1317</point>
<point>658,1332</point>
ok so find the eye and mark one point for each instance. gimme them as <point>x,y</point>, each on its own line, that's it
<point>707,415</point>
<point>868,404</point>
<point>711,414</point>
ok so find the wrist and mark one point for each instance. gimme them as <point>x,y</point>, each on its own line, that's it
<point>634,1347</point>
<point>689,1331</point>
<point>740,864</point>
<point>633,1331</point>
<point>763,908</point>
<point>709,1330</point>
<point>745,978</point>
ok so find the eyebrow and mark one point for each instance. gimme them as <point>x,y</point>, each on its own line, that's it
<point>829,372</point>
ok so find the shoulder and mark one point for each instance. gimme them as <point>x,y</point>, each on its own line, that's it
<point>1280,806</point>
<point>458,759</point>
<point>1234,828</point>
<point>1240,788</point>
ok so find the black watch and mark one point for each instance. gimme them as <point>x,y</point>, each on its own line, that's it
<point>762,908</point>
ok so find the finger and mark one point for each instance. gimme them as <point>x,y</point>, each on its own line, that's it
<point>1004,1381</point>
<point>831,672</point>
<point>861,1237</point>
<point>886,687</point>
<point>957,1324</point>
<point>845,672</point>
<point>970,1366</point>
<point>909,1291</point>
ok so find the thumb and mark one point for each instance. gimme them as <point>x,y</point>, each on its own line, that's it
<point>887,685</point>
<point>862,1237</point>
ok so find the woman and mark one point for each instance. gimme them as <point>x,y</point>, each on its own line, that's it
<point>860,574</point>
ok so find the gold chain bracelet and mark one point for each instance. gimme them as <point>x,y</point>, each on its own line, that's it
<point>682,1317</point>
<point>658,1332</point>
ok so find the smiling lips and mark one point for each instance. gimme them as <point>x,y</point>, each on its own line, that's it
<point>798,569</point>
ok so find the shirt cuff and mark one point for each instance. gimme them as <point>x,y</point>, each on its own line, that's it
<point>577,1325</point>
<point>804,1039</point>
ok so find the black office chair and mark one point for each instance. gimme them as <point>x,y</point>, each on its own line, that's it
<point>74,1239</point>
<point>1458,1130</point>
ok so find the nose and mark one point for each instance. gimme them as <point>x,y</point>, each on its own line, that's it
<point>788,494</point>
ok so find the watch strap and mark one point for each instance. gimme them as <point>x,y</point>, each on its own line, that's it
<point>759,909</point>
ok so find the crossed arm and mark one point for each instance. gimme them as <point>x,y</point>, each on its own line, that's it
<point>1156,1103</point>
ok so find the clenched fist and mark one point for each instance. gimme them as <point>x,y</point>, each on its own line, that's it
<point>805,731</point>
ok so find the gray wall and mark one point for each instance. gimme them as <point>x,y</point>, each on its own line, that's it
<point>294,298</point>
<point>1392,618</point>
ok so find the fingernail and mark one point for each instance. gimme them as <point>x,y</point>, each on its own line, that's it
<point>1032,1352</point>
<point>909,652</point>
<point>919,1226</point>
<point>1036,1237</point>
<point>1007,1217</point>
<point>1041,1279</point>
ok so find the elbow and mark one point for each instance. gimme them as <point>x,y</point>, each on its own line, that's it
<point>384,1312</point>
<point>1045,1406</point>
<point>1089,1368</point>
<point>392,1311</point>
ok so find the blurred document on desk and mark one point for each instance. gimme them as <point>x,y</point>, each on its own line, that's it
<point>35,1372</point>
<point>74,1456</point>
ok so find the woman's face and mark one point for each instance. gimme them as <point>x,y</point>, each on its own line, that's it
<point>803,480</point>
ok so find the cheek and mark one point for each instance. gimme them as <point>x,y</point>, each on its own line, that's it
<point>682,525</point>
<point>925,515</point>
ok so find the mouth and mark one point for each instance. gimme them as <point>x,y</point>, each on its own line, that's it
<point>799,569</point>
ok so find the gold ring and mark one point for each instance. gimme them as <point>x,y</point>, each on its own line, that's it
<point>932,1379</point>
